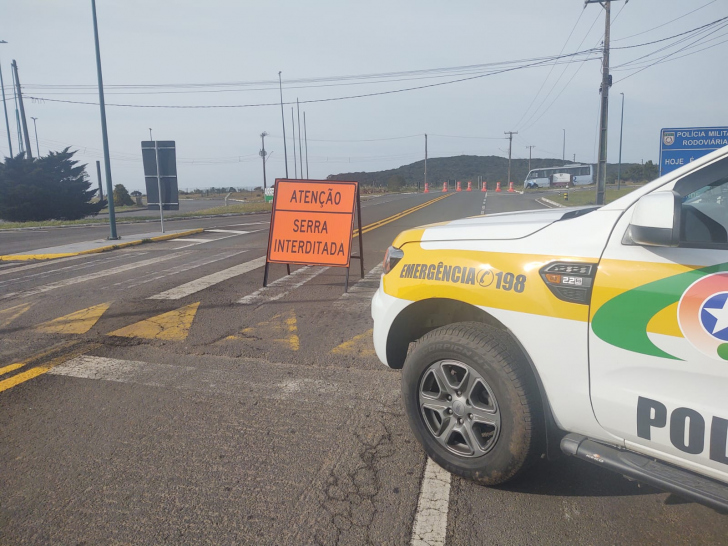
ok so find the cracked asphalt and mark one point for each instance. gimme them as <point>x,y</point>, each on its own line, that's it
<point>263,422</point>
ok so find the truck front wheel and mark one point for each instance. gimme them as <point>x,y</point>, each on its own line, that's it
<point>472,402</point>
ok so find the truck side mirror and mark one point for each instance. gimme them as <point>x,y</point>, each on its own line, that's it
<point>656,219</point>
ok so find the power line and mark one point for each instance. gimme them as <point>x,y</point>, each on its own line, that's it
<point>581,13</point>
<point>666,60</point>
<point>704,33</point>
<point>541,62</point>
<point>526,123</point>
<point>665,24</point>
<point>663,59</point>
<point>707,25</point>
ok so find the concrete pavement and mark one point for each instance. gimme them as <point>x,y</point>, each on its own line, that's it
<point>169,398</point>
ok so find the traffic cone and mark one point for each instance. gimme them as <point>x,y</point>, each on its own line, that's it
<point>427,188</point>
<point>444,187</point>
<point>457,187</point>
<point>470,186</point>
<point>497,187</point>
<point>510,187</point>
<point>485,186</point>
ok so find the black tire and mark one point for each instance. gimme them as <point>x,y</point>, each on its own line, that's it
<point>493,355</point>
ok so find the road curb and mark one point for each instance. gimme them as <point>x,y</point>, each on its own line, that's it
<point>115,246</point>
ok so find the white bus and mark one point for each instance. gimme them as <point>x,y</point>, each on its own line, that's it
<point>581,175</point>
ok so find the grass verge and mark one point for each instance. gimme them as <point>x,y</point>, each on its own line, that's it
<point>588,196</point>
<point>238,208</point>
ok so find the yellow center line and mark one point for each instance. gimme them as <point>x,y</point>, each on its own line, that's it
<point>14,380</point>
<point>11,367</point>
<point>399,215</point>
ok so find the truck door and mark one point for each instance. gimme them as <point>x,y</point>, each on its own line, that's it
<point>658,344</point>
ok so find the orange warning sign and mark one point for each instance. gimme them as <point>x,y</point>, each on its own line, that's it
<point>312,222</point>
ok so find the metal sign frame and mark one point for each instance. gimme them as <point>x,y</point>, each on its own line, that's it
<point>356,216</point>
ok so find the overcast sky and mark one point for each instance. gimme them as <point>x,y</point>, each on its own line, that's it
<point>146,42</point>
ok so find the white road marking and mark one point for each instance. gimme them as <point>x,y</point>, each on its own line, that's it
<point>187,240</point>
<point>249,224</point>
<point>431,517</point>
<point>228,231</point>
<point>174,270</point>
<point>43,264</point>
<point>360,295</point>
<point>281,287</point>
<point>549,204</point>
<point>341,386</point>
<point>93,276</point>
<point>209,280</point>
<point>76,268</point>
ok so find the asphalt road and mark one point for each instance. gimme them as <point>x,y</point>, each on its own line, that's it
<point>182,403</point>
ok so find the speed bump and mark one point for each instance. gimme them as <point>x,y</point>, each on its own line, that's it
<point>172,326</point>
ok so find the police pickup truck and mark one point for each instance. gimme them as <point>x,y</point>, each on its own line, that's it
<point>598,332</point>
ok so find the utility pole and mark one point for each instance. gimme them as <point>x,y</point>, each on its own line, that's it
<point>104,135</point>
<point>28,151</point>
<point>529,156</point>
<point>293,134</point>
<point>305,139</point>
<point>604,116</point>
<point>5,107</point>
<point>300,150</point>
<point>283,121</point>
<point>262,155</point>
<point>418,182</point>
<point>563,151</point>
<point>35,128</point>
<point>150,135</point>
<point>510,147</point>
<point>21,149</point>
<point>98,174</point>
<point>621,130</point>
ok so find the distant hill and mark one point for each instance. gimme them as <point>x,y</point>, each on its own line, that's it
<point>463,168</point>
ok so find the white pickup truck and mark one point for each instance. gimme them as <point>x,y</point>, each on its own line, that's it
<point>600,332</point>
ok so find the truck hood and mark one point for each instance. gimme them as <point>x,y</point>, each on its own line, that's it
<point>503,226</point>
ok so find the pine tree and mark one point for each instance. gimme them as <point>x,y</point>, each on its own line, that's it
<point>50,187</point>
<point>121,196</point>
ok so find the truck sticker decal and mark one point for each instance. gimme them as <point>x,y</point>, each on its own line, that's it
<point>622,321</point>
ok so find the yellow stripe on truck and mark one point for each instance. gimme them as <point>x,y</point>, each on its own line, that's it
<point>502,281</point>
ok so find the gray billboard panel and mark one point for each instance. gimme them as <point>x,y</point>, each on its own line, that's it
<point>167,170</point>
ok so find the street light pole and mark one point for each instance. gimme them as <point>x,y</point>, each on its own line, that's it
<point>35,128</point>
<point>300,149</point>
<point>529,156</point>
<point>293,135</point>
<point>5,106</point>
<point>563,151</point>
<point>262,154</point>
<point>150,135</point>
<point>305,139</point>
<point>283,121</point>
<point>104,135</point>
<point>621,130</point>
<point>24,121</point>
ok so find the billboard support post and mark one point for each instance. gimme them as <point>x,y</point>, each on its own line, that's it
<point>159,185</point>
